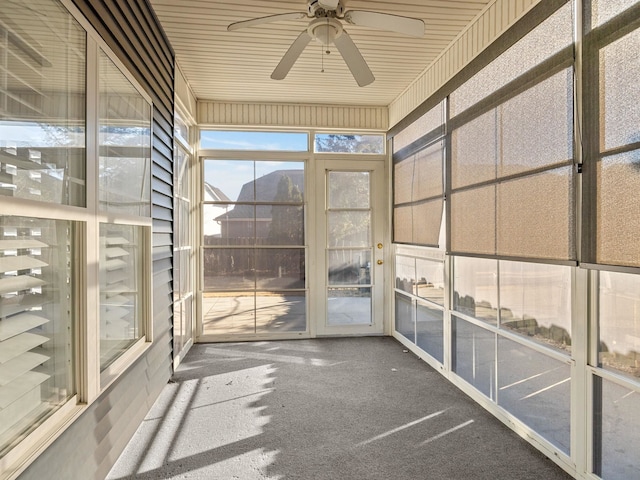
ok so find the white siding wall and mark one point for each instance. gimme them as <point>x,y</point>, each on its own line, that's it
<point>292,115</point>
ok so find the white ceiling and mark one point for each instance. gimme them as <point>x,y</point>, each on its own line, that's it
<point>236,66</point>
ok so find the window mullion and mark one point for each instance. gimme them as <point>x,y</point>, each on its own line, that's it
<point>89,355</point>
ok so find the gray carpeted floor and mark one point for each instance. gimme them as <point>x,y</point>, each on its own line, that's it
<point>348,408</point>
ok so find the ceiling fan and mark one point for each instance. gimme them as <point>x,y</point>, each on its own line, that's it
<point>326,27</point>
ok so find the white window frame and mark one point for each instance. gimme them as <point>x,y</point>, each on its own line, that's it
<point>186,145</point>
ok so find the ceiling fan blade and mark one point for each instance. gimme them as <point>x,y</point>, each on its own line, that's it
<point>354,59</point>
<point>291,56</point>
<point>269,19</point>
<point>386,21</point>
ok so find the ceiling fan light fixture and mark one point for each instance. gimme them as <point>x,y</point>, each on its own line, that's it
<point>325,30</point>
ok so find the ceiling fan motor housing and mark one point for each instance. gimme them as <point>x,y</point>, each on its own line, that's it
<point>325,8</point>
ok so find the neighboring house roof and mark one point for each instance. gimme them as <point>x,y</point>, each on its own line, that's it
<point>266,188</point>
<point>214,194</point>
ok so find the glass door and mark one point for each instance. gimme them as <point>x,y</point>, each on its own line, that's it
<point>350,231</point>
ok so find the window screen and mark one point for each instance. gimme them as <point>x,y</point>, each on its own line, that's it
<point>512,179</point>
<point>612,217</point>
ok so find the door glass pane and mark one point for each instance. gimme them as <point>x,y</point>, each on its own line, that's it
<point>349,228</point>
<point>349,306</point>
<point>349,267</point>
<point>349,190</point>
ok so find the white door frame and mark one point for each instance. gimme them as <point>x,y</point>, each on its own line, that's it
<point>318,272</point>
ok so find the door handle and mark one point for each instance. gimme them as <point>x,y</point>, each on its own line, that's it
<point>379,262</point>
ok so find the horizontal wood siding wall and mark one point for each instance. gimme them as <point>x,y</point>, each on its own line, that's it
<point>494,20</point>
<point>292,115</point>
<point>92,444</point>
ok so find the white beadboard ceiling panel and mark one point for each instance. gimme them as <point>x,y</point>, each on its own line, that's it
<point>235,67</point>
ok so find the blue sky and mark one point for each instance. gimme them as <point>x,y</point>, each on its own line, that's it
<point>230,140</point>
<point>230,175</point>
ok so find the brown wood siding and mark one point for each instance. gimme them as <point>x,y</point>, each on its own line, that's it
<point>89,447</point>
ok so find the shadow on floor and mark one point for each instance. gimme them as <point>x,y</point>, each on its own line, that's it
<point>349,408</point>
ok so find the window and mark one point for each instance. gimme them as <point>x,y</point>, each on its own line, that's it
<point>42,159</point>
<point>348,143</point>
<point>512,180</point>
<point>512,339</point>
<point>37,322</point>
<point>125,144</point>
<point>530,299</point>
<point>74,221</point>
<point>619,323</point>
<point>183,285</point>
<point>419,193</point>
<point>42,107</point>
<point>265,141</point>
<point>254,247</point>
<point>617,167</point>
<point>610,226</point>
<point>420,301</point>
<point>124,182</point>
<point>418,181</point>
<point>121,290</point>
